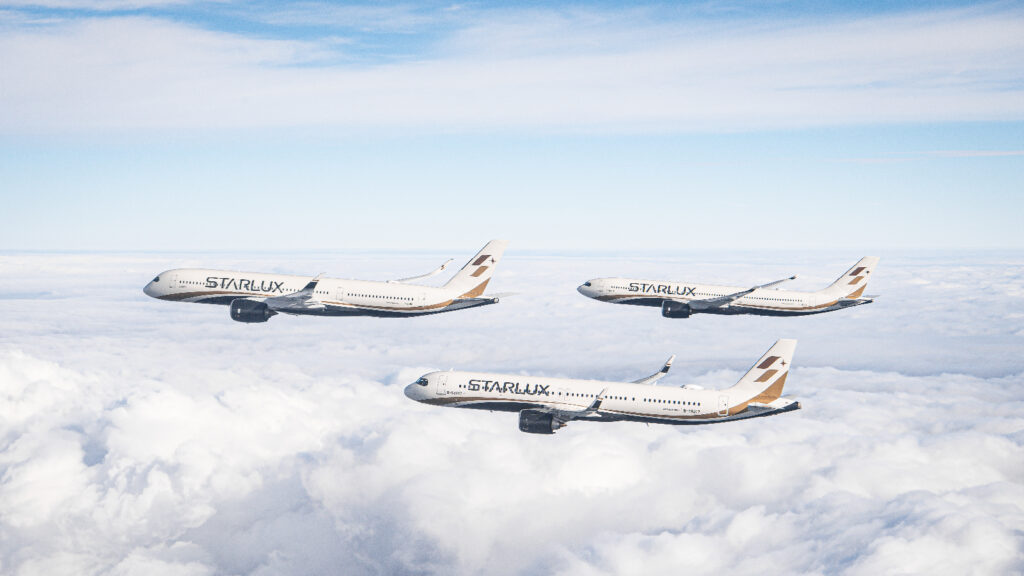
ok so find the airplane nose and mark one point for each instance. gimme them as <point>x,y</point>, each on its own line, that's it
<point>148,289</point>
<point>410,392</point>
<point>583,289</point>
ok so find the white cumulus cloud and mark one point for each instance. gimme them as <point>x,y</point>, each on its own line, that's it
<point>139,436</point>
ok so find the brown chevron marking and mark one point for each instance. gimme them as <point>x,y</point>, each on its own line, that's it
<point>767,362</point>
<point>855,280</point>
<point>479,271</point>
<point>768,374</point>
<point>481,260</point>
<point>771,393</point>
<point>857,270</point>
<point>858,292</point>
<point>476,292</point>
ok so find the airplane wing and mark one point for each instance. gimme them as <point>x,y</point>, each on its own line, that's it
<point>653,378</point>
<point>564,416</point>
<point>710,303</point>
<point>299,300</point>
<point>430,274</point>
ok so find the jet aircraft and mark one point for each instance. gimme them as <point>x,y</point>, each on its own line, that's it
<point>683,299</point>
<point>256,297</point>
<point>547,404</point>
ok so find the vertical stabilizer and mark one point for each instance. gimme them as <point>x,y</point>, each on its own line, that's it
<point>852,283</point>
<point>471,281</point>
<point>764,381</point>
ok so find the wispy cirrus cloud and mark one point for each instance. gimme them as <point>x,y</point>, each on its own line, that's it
<point>975,153</point>
<point>533,69</point>
<point>94,5</point>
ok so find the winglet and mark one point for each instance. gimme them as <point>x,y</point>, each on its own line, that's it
<point>300,299</point>
<point>596,404</point>
<point>653,378</point>
<point>776,283</point>
<point>430,274</point>
<point>312,283</point>
<point>668,364</point>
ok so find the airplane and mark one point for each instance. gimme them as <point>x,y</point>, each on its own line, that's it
<point>683,299</point>
<point>548,404</point>
<point>256,297</point>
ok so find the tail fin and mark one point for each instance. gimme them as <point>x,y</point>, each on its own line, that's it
<point>471,281</point>
<point>764,381</point>
<point>852,283</point>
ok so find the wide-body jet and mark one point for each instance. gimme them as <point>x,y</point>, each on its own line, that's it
<point>683,299</point>
<point>547,404</point>
<point>255,297</point>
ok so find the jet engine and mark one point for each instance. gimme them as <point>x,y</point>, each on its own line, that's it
<point>538,422</point>
<point>673,309</point>
<point>249,311</point>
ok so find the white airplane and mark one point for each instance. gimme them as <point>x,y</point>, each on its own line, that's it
<point>682,299</point>
<point>547,404</point>
<point>255,297</point>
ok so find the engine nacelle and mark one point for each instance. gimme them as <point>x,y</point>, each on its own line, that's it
<point>673,309</point>
<point>537,422</point>
<point>249,311</point>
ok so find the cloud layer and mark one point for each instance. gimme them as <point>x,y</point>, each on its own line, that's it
<point>578,70</point>
<point>144,436</point>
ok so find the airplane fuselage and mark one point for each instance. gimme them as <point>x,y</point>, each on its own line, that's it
<point>340,297</point>
<point>681,299</point>
<point>763,302</point>
<point>620,400</point>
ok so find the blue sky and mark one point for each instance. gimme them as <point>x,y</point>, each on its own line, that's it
<point>588,126</point>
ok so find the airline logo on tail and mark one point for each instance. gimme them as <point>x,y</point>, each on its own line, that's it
<point>479,271</point>
<point>856,280</point>
<point>471,281</point>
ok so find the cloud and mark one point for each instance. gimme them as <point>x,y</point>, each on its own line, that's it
<point>94,5</point>
<point>975,153</point>
<point>145,436</point>
<point>570,70</point>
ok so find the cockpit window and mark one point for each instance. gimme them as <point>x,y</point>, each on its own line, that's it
<point>157,279</point>
<point>422,381</point>
<point>587,284</point>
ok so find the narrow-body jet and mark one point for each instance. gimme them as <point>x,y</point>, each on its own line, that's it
<point>547,404</point>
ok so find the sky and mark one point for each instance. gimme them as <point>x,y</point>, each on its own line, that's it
<point>590,126</point>
<point>726,142</point>
<point>146,437</point>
